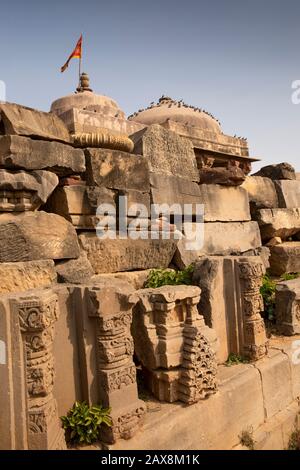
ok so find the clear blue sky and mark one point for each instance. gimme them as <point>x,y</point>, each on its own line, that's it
<point>236,59</point>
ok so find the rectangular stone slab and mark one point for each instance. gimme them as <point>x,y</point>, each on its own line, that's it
<point>231,238</point>
<point>282,223</point>
<point>36,235</point>
<point>285,258</point>
<point>109,256</point>
<point>18,152</point>
<point>19,277</point>
<point>288,192</point>
<point>167,189</point>
<point>29,122</point>
<point>167,152</point>
<point>224,204</point>
<point>116,170</point>
<point>261,192</point>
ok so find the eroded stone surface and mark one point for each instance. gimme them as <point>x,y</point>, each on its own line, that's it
<point>224,204</point>
<point>109,256</point>
<point>174,190</point>
<point>288,307</point>
<point>75,271</point>
<point>281,223</point>
<point>261,191</point>
<point>288,193</point>
<point>19,277</point>
<point>18,152</point>
<point>29,122</point>
<point>166,152</point>
<point>280,171</point>
<point>22,191</point>
<point>36,235</point>
<point>285,258</point>
<point>116,170</point>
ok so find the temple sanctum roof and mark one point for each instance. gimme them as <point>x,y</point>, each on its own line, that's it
<point>85,99</point>
<point>177,111</point>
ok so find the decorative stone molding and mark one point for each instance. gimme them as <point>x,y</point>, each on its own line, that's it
<point>255,340</point>
<point>173,344</point>
<point>37,313</point>
<point>103,139</point>
<point>116,371</point>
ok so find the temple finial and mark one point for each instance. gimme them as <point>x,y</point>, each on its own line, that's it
<point>84,84</point>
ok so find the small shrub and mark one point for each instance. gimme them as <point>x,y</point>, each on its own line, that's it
<point>267,291</point>
<point>82,423</point>
<point>167,277</point>
<point>235,359</point>
<point>290,276</point>
<point>246,439</point>
<point>294,441</point>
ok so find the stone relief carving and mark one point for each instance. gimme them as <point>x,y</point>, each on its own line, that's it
<point>37,315</point>
<point>255,340</point>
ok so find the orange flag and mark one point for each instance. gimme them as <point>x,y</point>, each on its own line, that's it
<point>76,54</point>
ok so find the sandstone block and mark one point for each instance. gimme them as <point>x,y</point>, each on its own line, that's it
<point>281,223</point>
<point>276,382</point>
<point>281,171</point>
<point>167,152</point>
<point>170,334</point>
<point>135,278</point>
<point>109,256</point>
<point>20,152</point>
<point>75,271</point>
<point>232,238</point>
<point>134,199</point>
<point>288,307</point>
<point>224,204</point>
<point>231,176</point>
<point>19,277</point>
<point>274,241</point>
<point>166,189</point>
<point>19,120</point>
<point>288,193</point>
<point>116,170</point>
<point>285,258</point>
<point>222,284</point>
<point>35,236</point>
<point>78,203</point>
<point>22,191</point>
<point>261,191</point>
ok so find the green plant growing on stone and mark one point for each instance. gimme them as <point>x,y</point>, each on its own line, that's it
<point>294,441</point>
<point>82,423</point>
<point>290,276</point>
<point>168,277</point>
<point>246,439</point>
<point>235,359</point>
<point>267,291</point>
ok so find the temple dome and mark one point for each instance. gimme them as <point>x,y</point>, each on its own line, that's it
<point>177,111</point>
<point>85,99</point>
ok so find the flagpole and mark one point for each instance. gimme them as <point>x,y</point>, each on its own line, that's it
<point>79,71</point>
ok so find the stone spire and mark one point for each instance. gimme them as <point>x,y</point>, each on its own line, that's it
<point>84,84</point>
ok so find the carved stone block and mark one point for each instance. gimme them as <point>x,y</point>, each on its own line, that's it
<point>173,344</point>
<point>111,308</point>
<point>288,307</point>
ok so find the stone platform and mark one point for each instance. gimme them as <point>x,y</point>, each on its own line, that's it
<point>261,396</point>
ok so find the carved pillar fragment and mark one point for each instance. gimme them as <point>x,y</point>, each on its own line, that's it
<point>37,313</point>
<point>255,340</point>
<point>116,372</point>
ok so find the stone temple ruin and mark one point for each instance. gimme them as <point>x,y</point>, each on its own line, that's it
<point>76,320</point>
